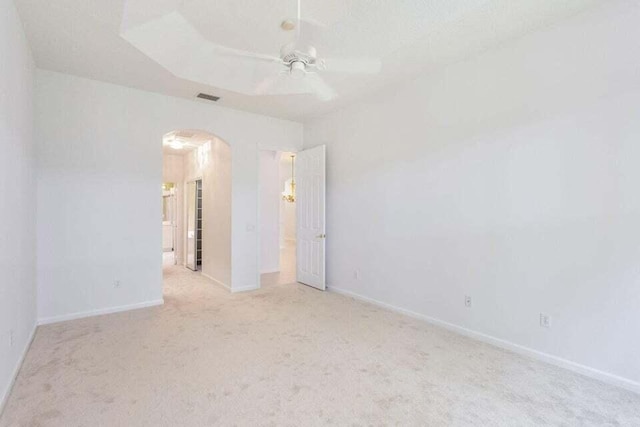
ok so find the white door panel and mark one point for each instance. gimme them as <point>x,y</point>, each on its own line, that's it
<point>310,201</point>
<point>192,217</point>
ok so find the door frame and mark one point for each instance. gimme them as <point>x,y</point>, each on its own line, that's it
<point>259,227</point>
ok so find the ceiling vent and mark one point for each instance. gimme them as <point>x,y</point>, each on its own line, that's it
<point>208,97</point>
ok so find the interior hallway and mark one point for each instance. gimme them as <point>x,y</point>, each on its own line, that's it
<point>288,355</point>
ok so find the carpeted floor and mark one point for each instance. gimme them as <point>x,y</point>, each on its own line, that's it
<point>289,355</point>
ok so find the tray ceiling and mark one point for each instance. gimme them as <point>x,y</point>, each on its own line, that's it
<point>88,38</point>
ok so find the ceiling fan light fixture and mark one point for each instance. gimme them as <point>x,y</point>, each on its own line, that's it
<point>298,69</point>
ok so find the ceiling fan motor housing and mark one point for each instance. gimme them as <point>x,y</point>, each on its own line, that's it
<point>298,69</point>
<point>291,53</point>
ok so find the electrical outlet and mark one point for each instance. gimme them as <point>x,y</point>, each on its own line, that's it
<point>356,274</point>
<point>545,320</point>
<point>467,301</point>
<point>116,284</point>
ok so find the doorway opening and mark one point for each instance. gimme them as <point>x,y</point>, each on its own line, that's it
<point>197,165</point>
<point>292,210</point>
<point>169,222</point>
<point>287,228</point>
<point>278,217</point>
<point>292,217</point>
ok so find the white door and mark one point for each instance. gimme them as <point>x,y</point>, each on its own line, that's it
<point>192,218</point>
<point>310,222</point>
<point>174,223</point>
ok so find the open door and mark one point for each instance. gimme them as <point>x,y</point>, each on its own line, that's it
<point>192,226</point>
<point>310,213</point>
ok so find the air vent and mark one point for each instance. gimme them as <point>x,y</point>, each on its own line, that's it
<point>208,97</point>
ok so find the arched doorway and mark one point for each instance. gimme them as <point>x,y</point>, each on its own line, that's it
<point>197,203</point>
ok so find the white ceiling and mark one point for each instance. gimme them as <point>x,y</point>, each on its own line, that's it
<point>83,37</point>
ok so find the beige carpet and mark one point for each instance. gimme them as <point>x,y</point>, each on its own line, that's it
<point>289,355</point>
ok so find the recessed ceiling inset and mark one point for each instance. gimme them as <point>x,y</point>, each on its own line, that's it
<point>412,37</point>
<point>169,34</point>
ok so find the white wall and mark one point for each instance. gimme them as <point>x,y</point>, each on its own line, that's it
<point>172,168</point>
<point>214,168</point>
<point>511,177</point>
<point>270,197</point>
<point>99,175</point>
<point>17,197</point>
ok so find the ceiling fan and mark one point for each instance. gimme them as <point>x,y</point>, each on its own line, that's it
<point>299,68</point>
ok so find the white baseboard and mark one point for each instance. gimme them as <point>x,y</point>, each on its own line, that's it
<point>16,370</point>
<point>269,270</point>
<point>216,281</point>
<point>229,288</point>
<point>245,288</point>
<point>587,371</point>
<point>109,310</point>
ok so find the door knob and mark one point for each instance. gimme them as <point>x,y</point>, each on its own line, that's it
<point>321,236</point>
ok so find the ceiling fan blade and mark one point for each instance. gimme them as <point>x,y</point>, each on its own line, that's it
<point>351,66</point>
<point>319,87</point>
<point>265,86</point>
<point>281,84</point>
<point>227,51</point>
